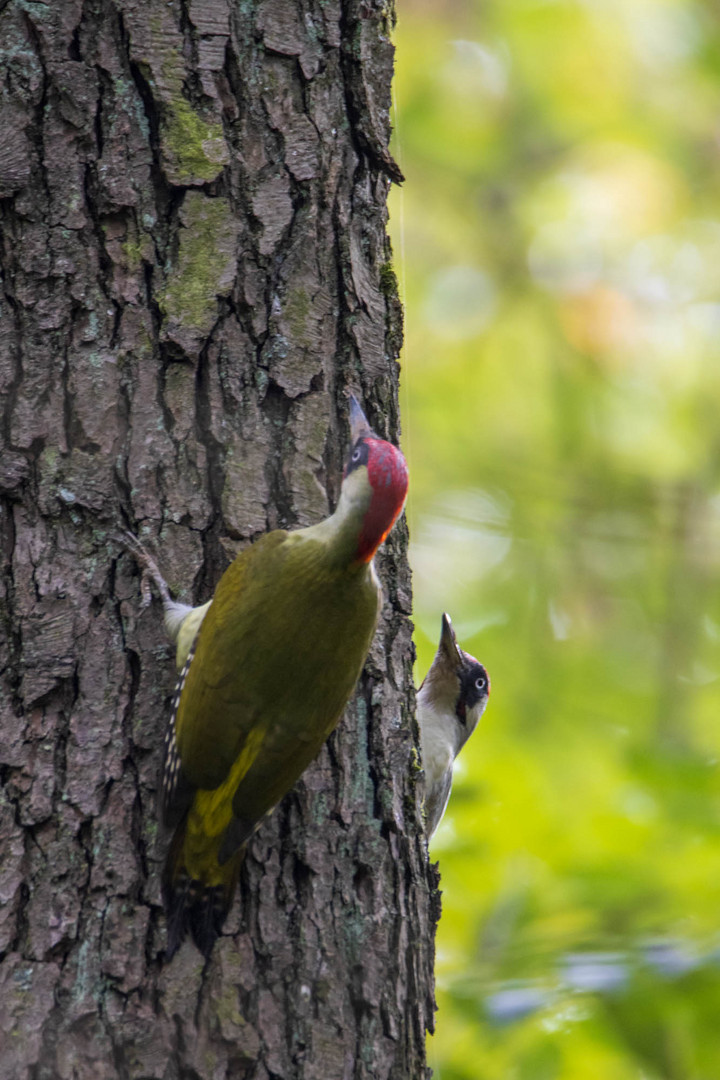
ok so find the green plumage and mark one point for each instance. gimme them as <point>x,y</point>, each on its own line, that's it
<point>267,669</point>
<point>276,658</point>
<point>278,655</point>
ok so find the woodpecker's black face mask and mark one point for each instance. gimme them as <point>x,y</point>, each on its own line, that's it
<point>474,687</point>
<point>358,456</point>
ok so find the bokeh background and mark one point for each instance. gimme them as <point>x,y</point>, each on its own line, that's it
<point>558,248</point>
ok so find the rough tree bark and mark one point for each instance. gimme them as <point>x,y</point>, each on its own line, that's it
<point>194,268</point>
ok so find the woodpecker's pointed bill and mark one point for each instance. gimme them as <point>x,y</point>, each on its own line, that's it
<point>448,641</point>
<point>359,427</point>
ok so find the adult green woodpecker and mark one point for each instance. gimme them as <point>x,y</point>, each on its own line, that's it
<point>450,701</point>
<point>267,667</point>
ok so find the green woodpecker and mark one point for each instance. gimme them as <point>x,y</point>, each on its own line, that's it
<point>267,667</point>
<point>450,702</point>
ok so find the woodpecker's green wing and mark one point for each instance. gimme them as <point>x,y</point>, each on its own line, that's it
<point>199,752</point>
<point>276,658</point>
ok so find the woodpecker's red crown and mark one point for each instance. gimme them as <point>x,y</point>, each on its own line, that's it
<point>388,476</point>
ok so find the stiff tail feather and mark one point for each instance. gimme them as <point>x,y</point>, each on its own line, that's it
<point>192,905</point>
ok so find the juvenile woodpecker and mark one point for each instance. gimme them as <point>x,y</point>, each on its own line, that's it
<point>450,701</point>
<point>267,667</point>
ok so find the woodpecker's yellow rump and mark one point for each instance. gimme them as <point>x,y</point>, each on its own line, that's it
<point>267,669</point>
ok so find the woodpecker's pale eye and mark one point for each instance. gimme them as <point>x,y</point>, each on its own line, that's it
<point>356,455</point>
<point>480,683</point>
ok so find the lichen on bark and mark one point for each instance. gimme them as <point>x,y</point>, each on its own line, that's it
<point>195,149</point>
<point>202,271</point>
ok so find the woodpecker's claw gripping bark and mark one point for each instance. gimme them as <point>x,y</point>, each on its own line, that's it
<point>148,569</point>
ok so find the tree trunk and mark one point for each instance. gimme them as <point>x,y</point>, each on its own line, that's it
<point>194,268</point>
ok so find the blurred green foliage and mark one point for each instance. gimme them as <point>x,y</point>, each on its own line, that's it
<point>558,246</point>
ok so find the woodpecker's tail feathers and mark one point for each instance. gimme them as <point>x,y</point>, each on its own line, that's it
<point>193,905</point>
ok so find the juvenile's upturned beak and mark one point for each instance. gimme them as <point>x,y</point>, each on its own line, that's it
<point>448,641</point>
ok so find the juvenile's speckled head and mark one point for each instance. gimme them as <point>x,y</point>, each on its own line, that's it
<point>376,479</point>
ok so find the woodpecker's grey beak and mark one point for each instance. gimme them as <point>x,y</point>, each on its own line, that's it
<point>359,427</point>
<point>448,641</point>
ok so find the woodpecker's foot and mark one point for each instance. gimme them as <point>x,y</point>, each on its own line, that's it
<point>148,569</point>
